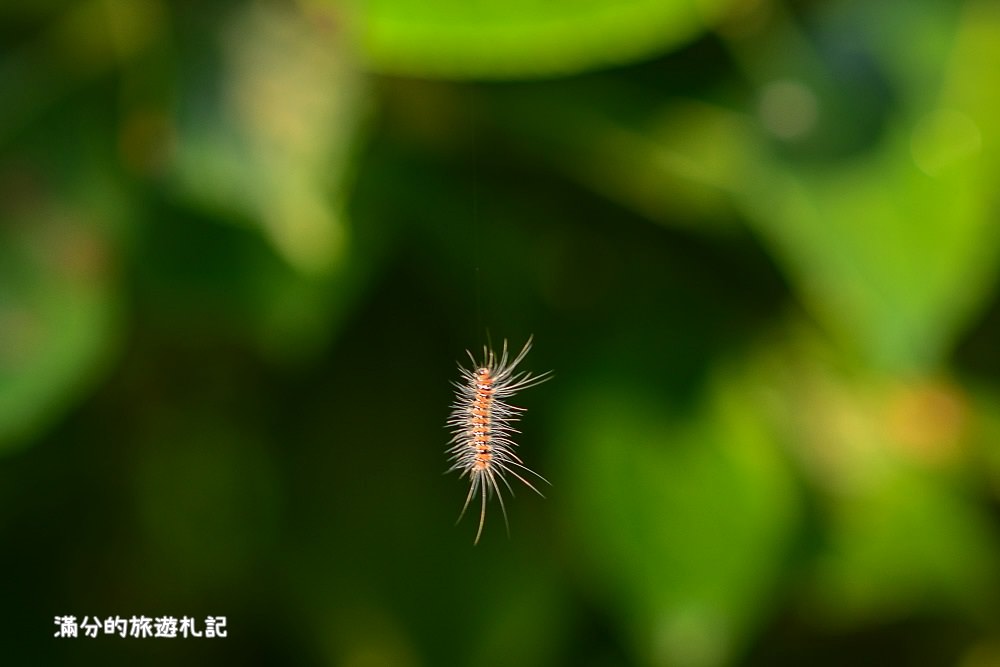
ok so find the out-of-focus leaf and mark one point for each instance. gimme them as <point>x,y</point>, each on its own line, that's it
<point>526,38</point>
<point>275,149</point>
<point>895,249</point>
<point>58,310</point>
<point>902,532</point>
<point>673,165</point>
<point>908,542</point>
<point>892,244</point>
<point>684,522</point>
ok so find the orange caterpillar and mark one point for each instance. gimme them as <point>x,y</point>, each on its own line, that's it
<point>480,423</point>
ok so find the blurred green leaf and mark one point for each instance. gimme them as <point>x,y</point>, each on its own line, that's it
<point>673,164</point>
<point>888,239</point>
<point>275,149</point>
<point>903,533</point>
<point>58,309</point>
<point>893,248</point>
<point>909,541</point>
<point>686,522</point>
<point>524,38</point>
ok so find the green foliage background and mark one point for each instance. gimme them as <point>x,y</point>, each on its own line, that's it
<point>242,246</point>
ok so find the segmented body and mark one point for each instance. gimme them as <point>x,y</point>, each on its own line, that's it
<point>481,446</point>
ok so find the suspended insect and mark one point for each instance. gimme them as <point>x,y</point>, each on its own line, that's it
<point>481,421</point>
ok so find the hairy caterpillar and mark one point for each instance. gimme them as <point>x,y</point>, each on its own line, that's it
<point>481,421</point>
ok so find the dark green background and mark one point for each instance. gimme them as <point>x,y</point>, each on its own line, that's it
<point>242,248</point>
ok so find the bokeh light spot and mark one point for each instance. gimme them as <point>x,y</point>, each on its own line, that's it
<point>788,109</point>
